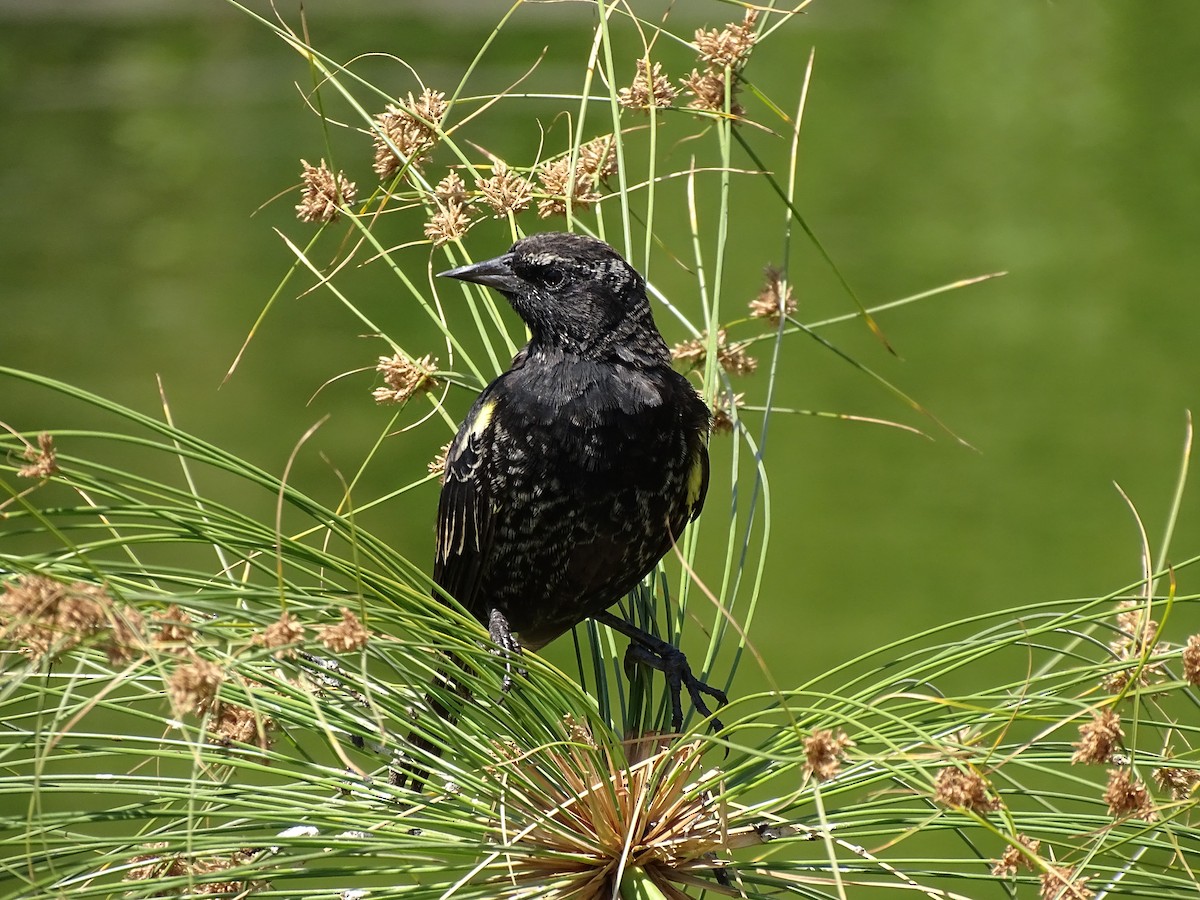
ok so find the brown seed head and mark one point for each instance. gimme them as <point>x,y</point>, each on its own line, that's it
<point>1098,738</point>
<point>650,89</point>
<point>405,378</point>
<point>43,462</point>
<point>281,636</point>
<point>347,636</point>
<point>127,637</point>
<point>448,223</point>
<point>693,352</point>
<point>237,724</point>
<point>506,191</point>
<point>707,90</point>
<point>1013,858</point>
<point>1191,660</point>
<point>731,45</point>
<point>1061,883</point>
<point>322,195</point>
<point>775,299</point>
<point>1136,643</point>
<point>173,626</point>
<point>598,158</point>
<point>197,869</point>
<point>824,751</point>
<point>451,189</point>
<point>1127,796</point>
<point>723,410</point>
<point>41,615</point>
<point>437,465</point>
<point>731,357</point>
<point>411,129</point>
<point>558,183</point>
<point>193,686</point>
<point>963,789</point>
<point>1138,632</point>
<point>1179,783</point>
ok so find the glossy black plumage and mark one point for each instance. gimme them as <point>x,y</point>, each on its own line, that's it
<point>574,471</point>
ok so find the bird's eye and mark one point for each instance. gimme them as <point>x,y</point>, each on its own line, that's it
<point>554,277</point>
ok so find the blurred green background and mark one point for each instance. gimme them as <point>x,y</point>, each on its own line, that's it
<point>1059,141</point>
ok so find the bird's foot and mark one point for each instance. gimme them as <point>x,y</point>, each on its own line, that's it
<point>507,646</point>
<point>657,654</point>
<point>672,662</point>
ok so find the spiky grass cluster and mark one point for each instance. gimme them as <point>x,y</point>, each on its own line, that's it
<point>580,815</point>
<point>527,801</point>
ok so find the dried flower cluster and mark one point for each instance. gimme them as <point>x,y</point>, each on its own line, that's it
<point>44,617</point>
<point>404,378</point>
<point>238,724</point>
<point>450,220</point>
<point>42,460</point>
<point>724,52</point>
<point>576,186</point>
<point>963,789</point>
<point>1191,660</point>
<point>707,90</point>
<point>823,751</point>
<point>448,223</point>
<point>1098,738</point>
<point>1016,856</point>
<point>346,636</point>
<point>597,159</point>
<point>1062,883</point>
<point>1127,796</point>
<point>1179,783</point>
<point>730,46</point>
<point>650,88</point>
<point>437,465</point>
<point>1137,641</point>
<point>732,357</point>
<point>322,194</point>
<point>564,186</point>
<point>506,191</point>
<point>194,686</point>
<point>197,870</point>
<point>281,636</point>
<point>723,410</point>
<point>172,627</point>
<point>451,189</point>
<point>775,299</point>
<point>403,134</point>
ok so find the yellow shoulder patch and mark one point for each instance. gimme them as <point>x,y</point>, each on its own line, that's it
<point>483,418</point>
<point>695,482</point>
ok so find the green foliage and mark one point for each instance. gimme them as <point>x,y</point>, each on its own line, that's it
<point>198,701</point>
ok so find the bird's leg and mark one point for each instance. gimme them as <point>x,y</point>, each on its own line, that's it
<point>658,654</point>
<point>509,646</point>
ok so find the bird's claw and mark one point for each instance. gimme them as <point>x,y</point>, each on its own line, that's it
<point>672,662</point>
<point>507,646</point>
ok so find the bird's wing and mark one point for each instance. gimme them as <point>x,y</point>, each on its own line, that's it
<point>466,515</point>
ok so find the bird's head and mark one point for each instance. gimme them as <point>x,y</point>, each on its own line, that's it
<point>575,293</point>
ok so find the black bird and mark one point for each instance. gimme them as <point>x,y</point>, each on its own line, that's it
<point>577,469</point>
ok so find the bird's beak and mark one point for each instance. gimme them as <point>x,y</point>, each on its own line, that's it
<point>495,273</point>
